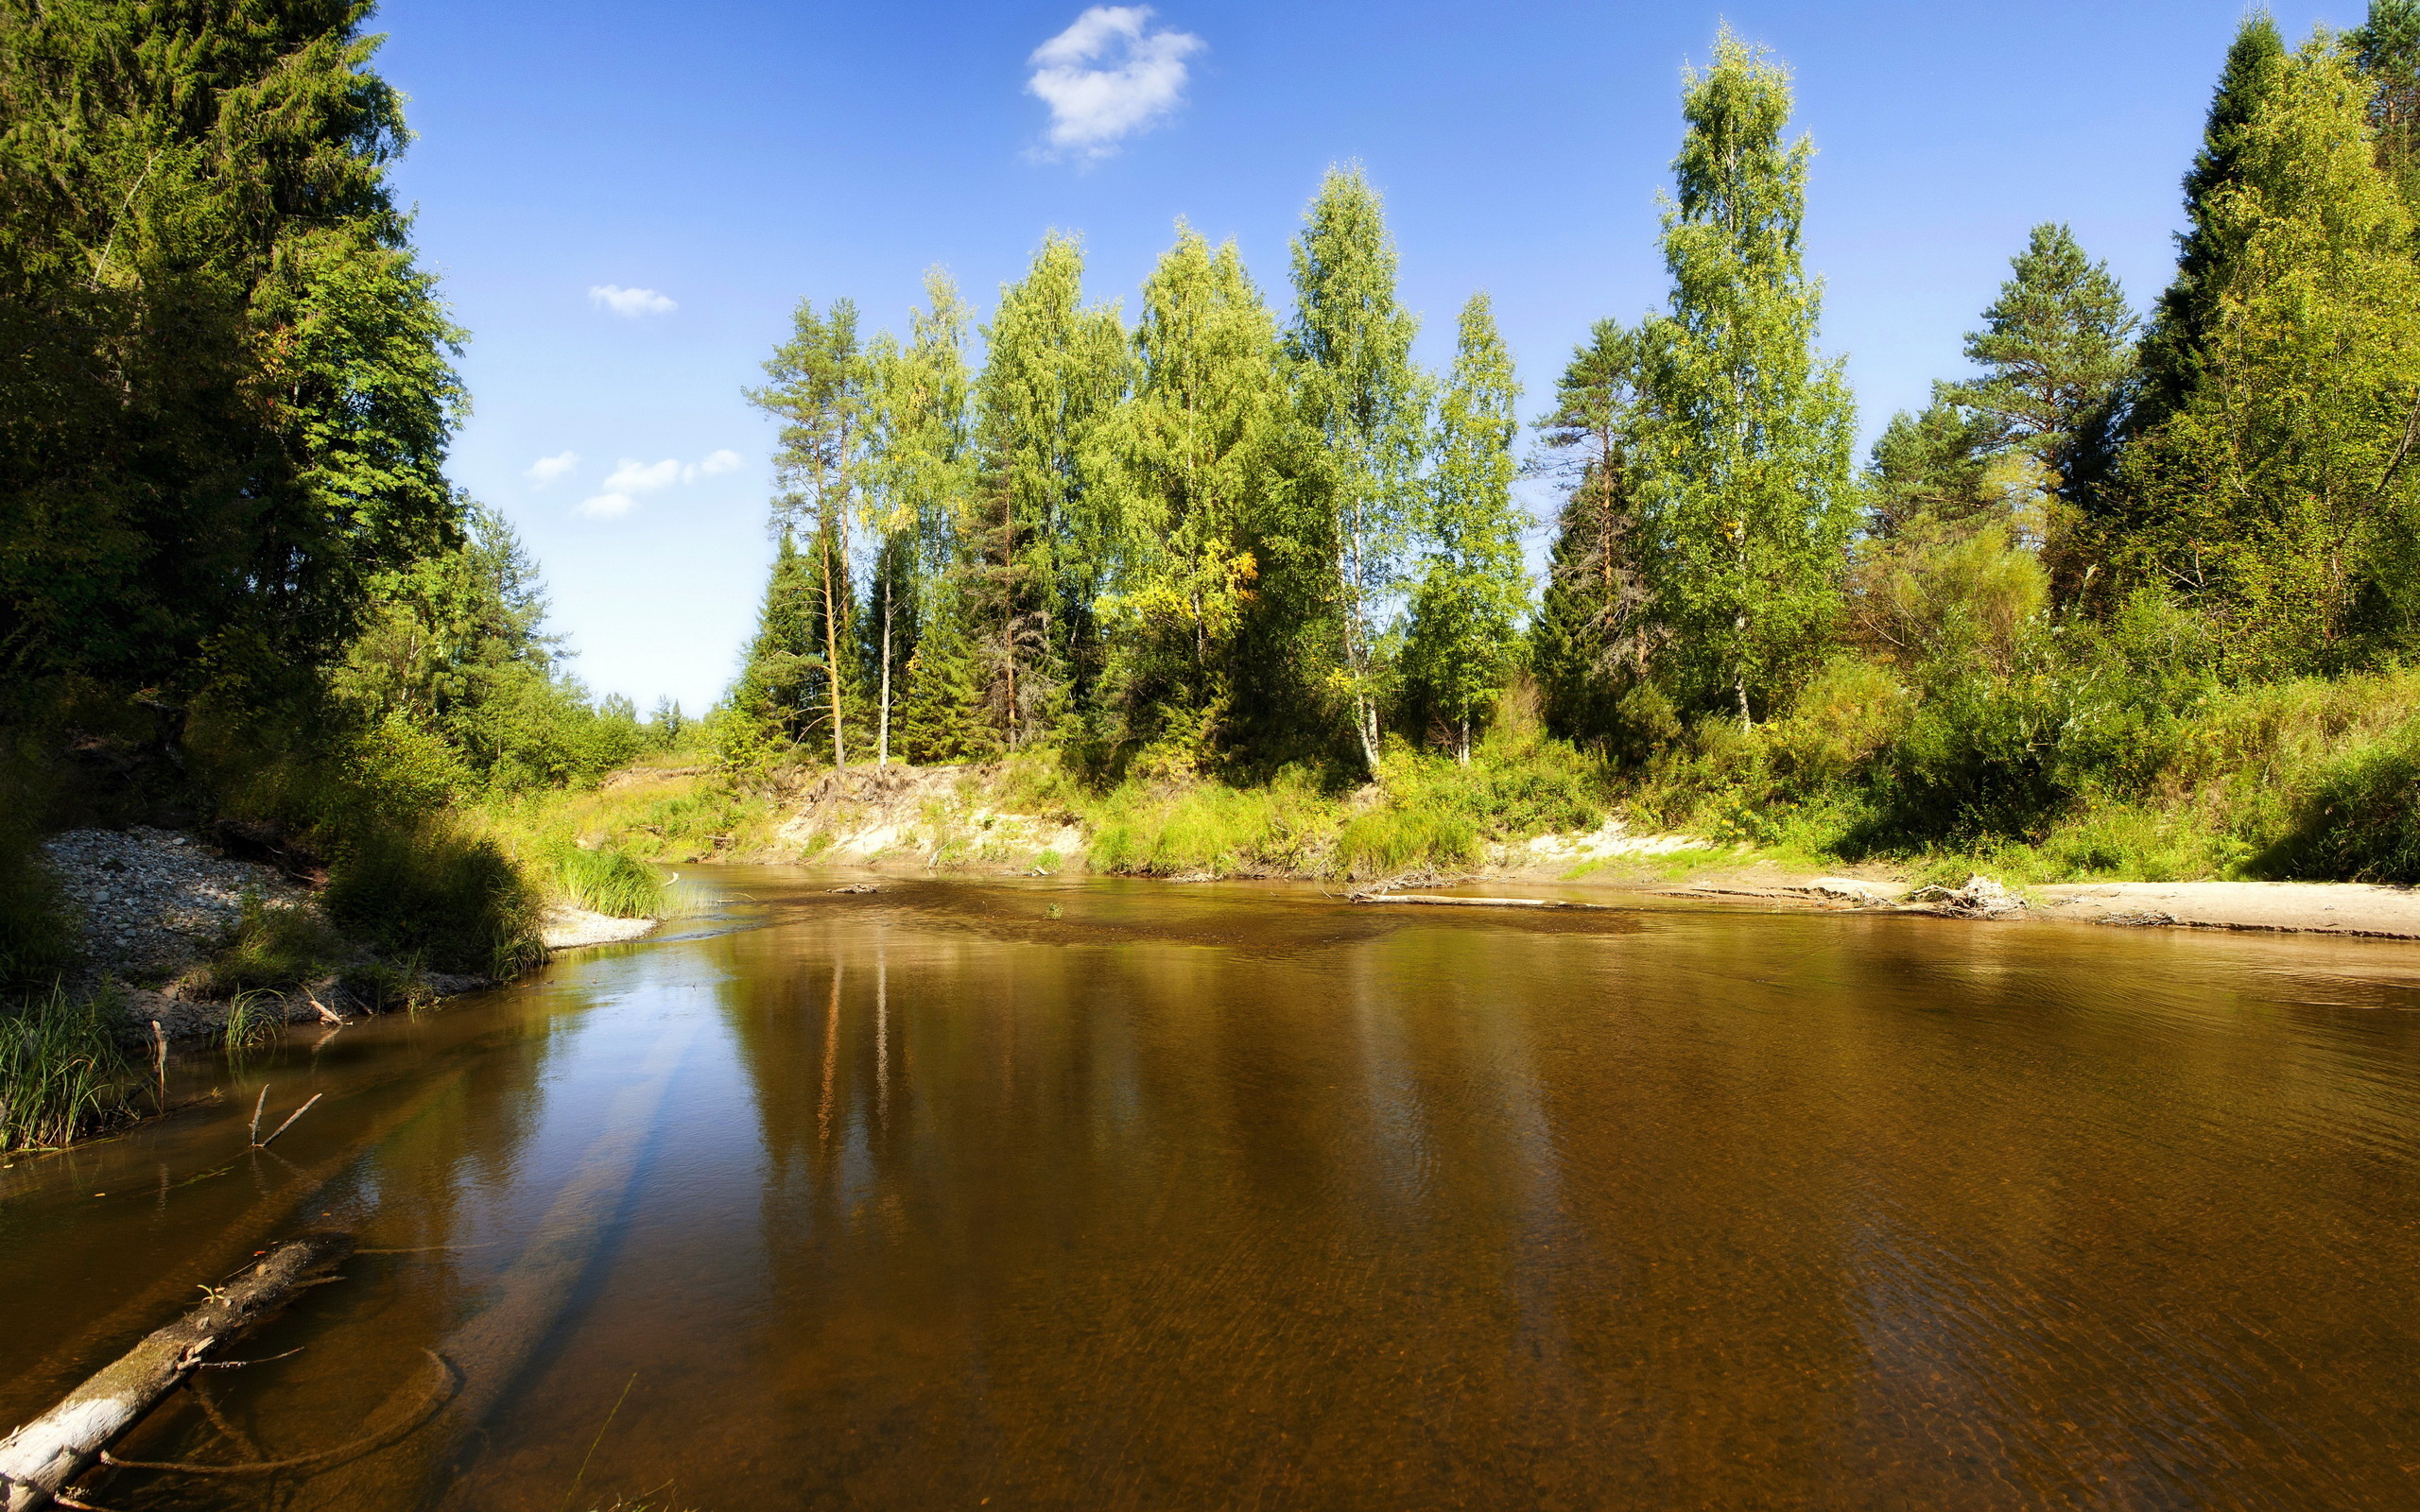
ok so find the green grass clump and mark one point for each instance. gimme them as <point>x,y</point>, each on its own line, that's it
<point>63,1076</point>
<point>1205,828</point>
<point>2357,818</point>
<point>1390,841</point>
<point>269,948</point>
<point>608,880</point>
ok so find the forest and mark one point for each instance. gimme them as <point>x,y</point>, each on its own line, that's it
<point>1239,582</point>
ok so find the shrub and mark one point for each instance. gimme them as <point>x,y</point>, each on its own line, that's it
<point>2360,819</point>
<point>269,948</point>
<point>455,899</point>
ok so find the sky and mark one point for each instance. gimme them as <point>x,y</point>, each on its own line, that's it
<point>624,202</point>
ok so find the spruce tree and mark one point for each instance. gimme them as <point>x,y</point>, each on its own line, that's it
<point>1744,439</point>
<point>817,388</point>
<point>779,692</point>
<point>1194,446</point>
<point>2280,492</point>
<point>1590,638</point>
<point>1467,603</point>
<point>2181,321</point>
<point>230,390</point>
<point>1361,406</point>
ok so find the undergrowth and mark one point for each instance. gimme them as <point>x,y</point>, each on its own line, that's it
<point>63,1075</point>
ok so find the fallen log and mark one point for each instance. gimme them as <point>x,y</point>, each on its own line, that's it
<point>1467,902</point>
<point>40,1459</point>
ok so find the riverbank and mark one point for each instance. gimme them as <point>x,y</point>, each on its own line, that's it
<point>1013,818</point>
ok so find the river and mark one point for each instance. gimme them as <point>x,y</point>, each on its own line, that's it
<point>1120,1194</point>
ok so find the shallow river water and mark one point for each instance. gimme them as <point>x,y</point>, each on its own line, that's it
<point>1131,1195</point>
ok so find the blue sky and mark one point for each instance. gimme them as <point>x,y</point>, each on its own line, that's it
<point>624,203</point>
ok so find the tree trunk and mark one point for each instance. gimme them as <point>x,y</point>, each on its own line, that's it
<point>1466,740</point>
<point>832,657</point>
<point>882,737</point>
<point>38,1460</point>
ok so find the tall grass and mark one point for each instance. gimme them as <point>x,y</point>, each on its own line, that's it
<point>63,1075</point>
<point>272,948</point>
<point>455,899</point>
<point>607,880</point>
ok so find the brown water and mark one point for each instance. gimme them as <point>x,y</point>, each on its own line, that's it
<point>1236,1196</point>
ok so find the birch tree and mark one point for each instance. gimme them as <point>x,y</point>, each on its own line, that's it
<point>1744,441</point>
<point>1363,408</point>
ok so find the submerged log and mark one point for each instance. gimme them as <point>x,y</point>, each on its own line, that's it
<point>40,1459</point>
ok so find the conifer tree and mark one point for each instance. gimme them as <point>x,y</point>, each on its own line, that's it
<point>2280,492</point>
<point>1467,604</point>
<point>1194,444</point>
<point>1361,407</point>
<point>2180,323</point>
<point>2386,50</point>
<point>816,388</point>
<point>1744,440</point>
<point>1931,465</point>
<point>2056,350</point>
<point>780,681</point>
<point>1041,525</point>
<point>1590,636</point>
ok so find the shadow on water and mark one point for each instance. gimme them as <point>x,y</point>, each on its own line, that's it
<point>1120,1194</point>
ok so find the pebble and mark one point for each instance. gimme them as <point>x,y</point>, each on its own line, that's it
<point>152,903</point>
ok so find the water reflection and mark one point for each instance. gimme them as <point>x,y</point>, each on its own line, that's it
<point>1121,1196</point>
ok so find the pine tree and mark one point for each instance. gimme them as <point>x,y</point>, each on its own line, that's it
<point>2172,348</point>
<point>1932,465</point>
<point>816,388</point>
<point>2386,50</point>
<point>1591,636</point>
<point>1467,605</point>
<point>2056,350</point>
<point>1361,410</point>
<point>1194,446</point>
<point>1744,440</point>
<point>2280,492</point>
<point>1042,529</point>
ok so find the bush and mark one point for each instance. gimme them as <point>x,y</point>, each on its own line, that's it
<point>269,950</point>
<point>2360,819</point>
<point>455,899</point>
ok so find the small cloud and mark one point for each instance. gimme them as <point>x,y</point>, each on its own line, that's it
<point>634,476</point>
<point>1108,77</point>
<point>715,462</point>
<point>550,469</point>
<point>631,302</point>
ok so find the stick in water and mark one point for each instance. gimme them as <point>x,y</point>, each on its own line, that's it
<point>160,1039</point>
<point>258,1103</point>
<point>289,1121</point>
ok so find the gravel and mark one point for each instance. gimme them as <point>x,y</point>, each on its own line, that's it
<point>153,903</point>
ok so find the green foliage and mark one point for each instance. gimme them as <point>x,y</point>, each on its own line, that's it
<point>452,898</point>
<point>234,393</point>
<point>2359,819</point>
<point>63,1075</point>
<point>2278,494</point>
<point>1744,437</point>
<point>36,937</point>
<point>1334,544</point>
<point>1590,639</point>
<point>1471,588</point>
<point>608,880</point>
<point>1209,829</point>
<point>1196,449</point>
<point>2386,50</point>
<point>268,949</point>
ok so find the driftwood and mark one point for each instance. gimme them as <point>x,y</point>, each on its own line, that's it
<point>40,1459</point>
<point>1440,901</point>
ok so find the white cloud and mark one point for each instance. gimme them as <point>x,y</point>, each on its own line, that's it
<point>1108,77</point>
<point>631,302</point>
<point>629,475</point>
<point>548,469</point>
<point>715,462</point>
<point>632,478</point>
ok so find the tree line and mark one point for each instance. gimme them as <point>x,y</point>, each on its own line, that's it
<point>1222,538</point>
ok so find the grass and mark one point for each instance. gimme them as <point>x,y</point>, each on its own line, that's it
<point>269,948</point>
<point>63,1075</point>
